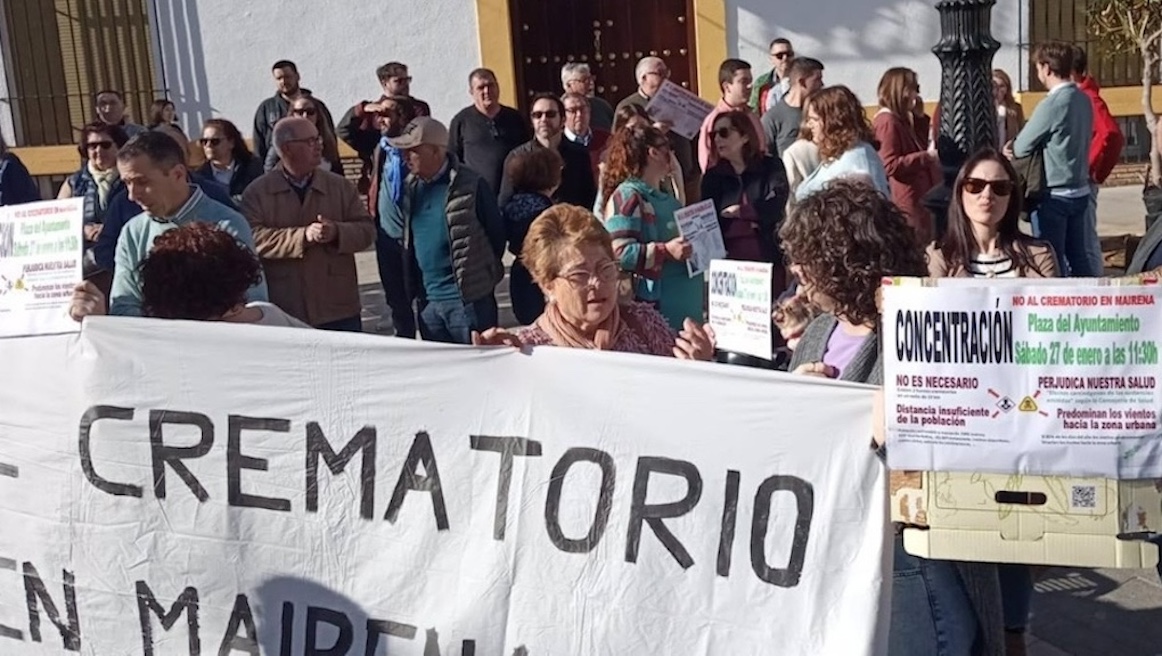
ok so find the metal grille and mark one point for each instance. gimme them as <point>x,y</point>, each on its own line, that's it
<point>61,52</point>
<point>1066,20</point>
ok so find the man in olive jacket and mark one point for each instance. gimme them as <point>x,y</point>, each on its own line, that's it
<point>453,227</point>
<point>308,225</point>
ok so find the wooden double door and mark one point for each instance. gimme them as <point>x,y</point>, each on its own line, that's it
<point>609,35</point>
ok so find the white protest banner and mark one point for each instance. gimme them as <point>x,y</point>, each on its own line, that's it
<point>40,264</point>
<point>179,486</point>
<point>1024,377</point>
<point>682,109</point>
<point>698,224</point>
<point>740,306</point>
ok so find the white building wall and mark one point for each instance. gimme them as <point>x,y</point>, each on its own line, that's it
<point>857,40</point>
<point>216,54</point>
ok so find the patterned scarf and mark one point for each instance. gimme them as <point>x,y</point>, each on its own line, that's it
<point>104,180</point>
<point>564,333</point>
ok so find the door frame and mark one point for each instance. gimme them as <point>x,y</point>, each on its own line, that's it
<point>494,24</point>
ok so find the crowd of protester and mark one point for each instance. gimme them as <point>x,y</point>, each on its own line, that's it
<point>583,195</point>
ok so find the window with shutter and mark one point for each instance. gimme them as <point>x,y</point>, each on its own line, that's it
<point>61,52</point>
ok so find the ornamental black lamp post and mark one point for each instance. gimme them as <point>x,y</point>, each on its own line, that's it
<point>967,111</point>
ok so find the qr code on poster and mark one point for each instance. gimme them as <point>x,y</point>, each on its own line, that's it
<point>1084,496</point>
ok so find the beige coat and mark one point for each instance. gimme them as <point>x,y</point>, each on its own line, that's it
<point>1044,263</point>
<point>315,283</point>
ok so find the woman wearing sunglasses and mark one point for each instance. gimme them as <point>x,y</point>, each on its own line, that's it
<point>97,181</point>
<point>749,190</point>
<point>984,239</point>
<point>305,107</point>
<point>228,159</point>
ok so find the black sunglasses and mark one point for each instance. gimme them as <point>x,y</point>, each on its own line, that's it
<point>552,113</point>
<point>999,187</point>
<point>99,144</point>
<point>210,141</point>
<point>723,133</point>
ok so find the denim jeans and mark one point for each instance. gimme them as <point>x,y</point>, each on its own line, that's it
<point>931,611</point>
<point>1092,241</point>
<point>1062,222</point>
<point>390,256</point>
<point>1016,594</point>
<point>452,322</point>
<point>349,325</point>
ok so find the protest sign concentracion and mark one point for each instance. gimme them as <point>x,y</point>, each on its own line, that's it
<point>174,487</point>
<point>1024,377</point>
<point>40,264</point>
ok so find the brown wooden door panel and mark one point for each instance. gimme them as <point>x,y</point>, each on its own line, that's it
<point>547,35</point>
<point>610,35</point>
<point>660,28</point>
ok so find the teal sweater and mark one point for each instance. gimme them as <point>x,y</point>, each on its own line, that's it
<point>1062,125</point>
<point>137,237</point>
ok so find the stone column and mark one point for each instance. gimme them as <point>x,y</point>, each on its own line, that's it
<point>967,112</point>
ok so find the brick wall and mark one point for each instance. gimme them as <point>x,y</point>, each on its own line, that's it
<point>1131,174</point>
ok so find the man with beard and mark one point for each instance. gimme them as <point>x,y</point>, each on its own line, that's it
<point>384,193</point>
<point>548,117</point>
<point>359,127</point>
<point>277,107</point>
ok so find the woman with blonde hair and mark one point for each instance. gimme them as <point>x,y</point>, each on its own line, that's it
<point>1010,114</point>
<point>640,217</point>
<point>306,107</point>
<point>570,256</point>
<point>901,128</point>
<point>844,136</point>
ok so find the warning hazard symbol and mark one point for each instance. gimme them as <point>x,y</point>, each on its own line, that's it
<point>1028,405</point>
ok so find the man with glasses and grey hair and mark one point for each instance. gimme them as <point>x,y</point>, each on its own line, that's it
<point>308,225</point>
<point>577,78</point>
<point>651,73</point>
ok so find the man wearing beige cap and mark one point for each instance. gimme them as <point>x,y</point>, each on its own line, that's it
<point>448,208</point>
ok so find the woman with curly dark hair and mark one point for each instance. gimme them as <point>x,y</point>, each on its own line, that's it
<point>640,217</point>
<point>841,242</point>
<point>196,272</point>
<point>839,127</point>
<point>228,159</point>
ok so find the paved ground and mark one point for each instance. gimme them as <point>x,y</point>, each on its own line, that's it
<point>1076,612</point>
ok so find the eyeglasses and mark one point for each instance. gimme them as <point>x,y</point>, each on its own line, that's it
<point>303,112</point>
<point>605,273</point>
<point>783,55</point>
<point>310,141</point>
<point>210,141</point>
<point>723,133</point>
<point>1000,187</point>
<point>662,74</point>
<point>552,113</point>
<point>101,145</point>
